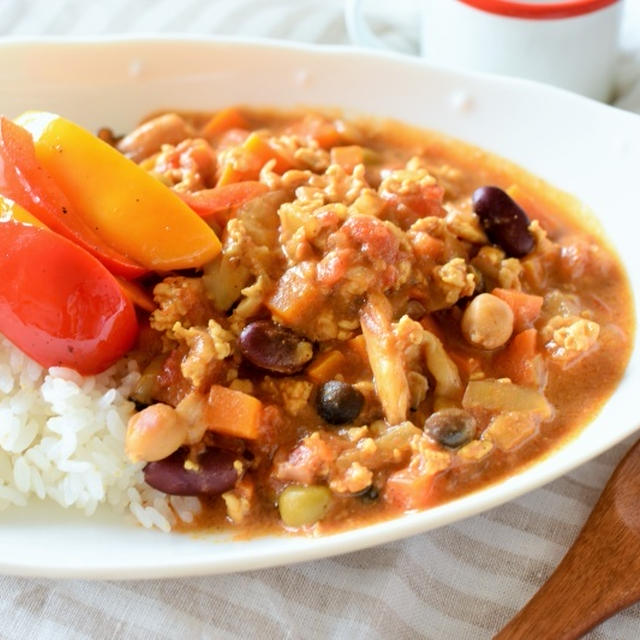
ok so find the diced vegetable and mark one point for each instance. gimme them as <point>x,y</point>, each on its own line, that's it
<point>413,205</point>
<point>233,413</point>
<point>325,366</point>
<point>225,119</point>
<point>475,450</point>
<point>256,153</point>
<point>295,299</point>
<point>385,357</point>
<point>217,203</point>
<point>496,395</point>
<point>467,365</point>
<point>144,391</point>
<point>347,157</point>
<point>224,279</point>
<point>256,145</point>
<point>301,506</point>
<point>410,488</point>
<point>391,446</point>
<point>397,438</point>
<point>526,307</point>
<point>407,489</point>
<point>137,294</point>
<point>59,304</point>
<point>132,211</point>
<point>509,430</point>
<point>521,361</point>
<point>358,347</point>
<point>314,127</point>
<point>27,183</point>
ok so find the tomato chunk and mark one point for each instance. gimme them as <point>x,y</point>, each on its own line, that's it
<point>58,304</point>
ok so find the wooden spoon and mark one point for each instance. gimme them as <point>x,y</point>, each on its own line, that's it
<point>599,575</point>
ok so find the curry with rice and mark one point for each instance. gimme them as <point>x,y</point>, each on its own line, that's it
<point>390,319</point>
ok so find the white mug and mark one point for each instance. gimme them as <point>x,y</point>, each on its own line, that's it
<point>567,43</point>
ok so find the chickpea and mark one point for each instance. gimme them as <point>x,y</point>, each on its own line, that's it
<point>487,322</point>
<point>155,433</point>
<point>149,137</point>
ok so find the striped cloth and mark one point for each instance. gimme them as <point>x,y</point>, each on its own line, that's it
<point>460,582</point>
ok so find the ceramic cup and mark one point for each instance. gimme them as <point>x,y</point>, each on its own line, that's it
<point>567,43</point>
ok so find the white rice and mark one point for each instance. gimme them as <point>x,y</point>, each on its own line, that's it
<point>62,439</point>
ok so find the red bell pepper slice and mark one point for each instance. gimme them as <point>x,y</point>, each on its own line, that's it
<point>60,305</point>
<point>24,181</point>
<point>211,202</point>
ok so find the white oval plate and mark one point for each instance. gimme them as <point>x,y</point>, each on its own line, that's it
<point>583,147</point>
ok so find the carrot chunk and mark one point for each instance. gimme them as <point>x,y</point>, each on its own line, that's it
<point>233,413</point>
<point>467,365</point>
<point>256,153</point>
<point>325,366</point>
<point>526,307</point>
<point>317,128</point>
<point>260,148</point>
<point>358,347</point>
<point>521,361</point>
<point>137,294</point>
<point>225,119</point>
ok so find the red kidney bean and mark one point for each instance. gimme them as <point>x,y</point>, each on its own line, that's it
<point>213,474</point>
<point>274,348</point>
<point>504,222</point>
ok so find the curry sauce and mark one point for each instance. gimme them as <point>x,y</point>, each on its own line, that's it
<point>395,319</point>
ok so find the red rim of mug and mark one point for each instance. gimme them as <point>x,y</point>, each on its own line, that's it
<point>544,11</point>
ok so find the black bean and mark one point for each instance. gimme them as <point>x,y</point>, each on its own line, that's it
<point>274,348</point>
<point>451,427</point>
<point>504,222</point>
<point>212,474</point>
<point>339,402</point>
<point>369,495</point>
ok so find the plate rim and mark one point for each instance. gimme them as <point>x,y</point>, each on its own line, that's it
<point>378,533</point>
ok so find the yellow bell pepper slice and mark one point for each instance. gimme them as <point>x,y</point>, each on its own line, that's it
<point>131,210</point>
<point>10,210</point>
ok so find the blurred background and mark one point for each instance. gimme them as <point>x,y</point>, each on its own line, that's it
<point>317,21</point>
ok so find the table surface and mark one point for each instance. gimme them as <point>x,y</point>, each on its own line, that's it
<point>463,581</point>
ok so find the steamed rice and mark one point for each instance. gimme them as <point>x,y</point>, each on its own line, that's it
<point>62,438</point>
